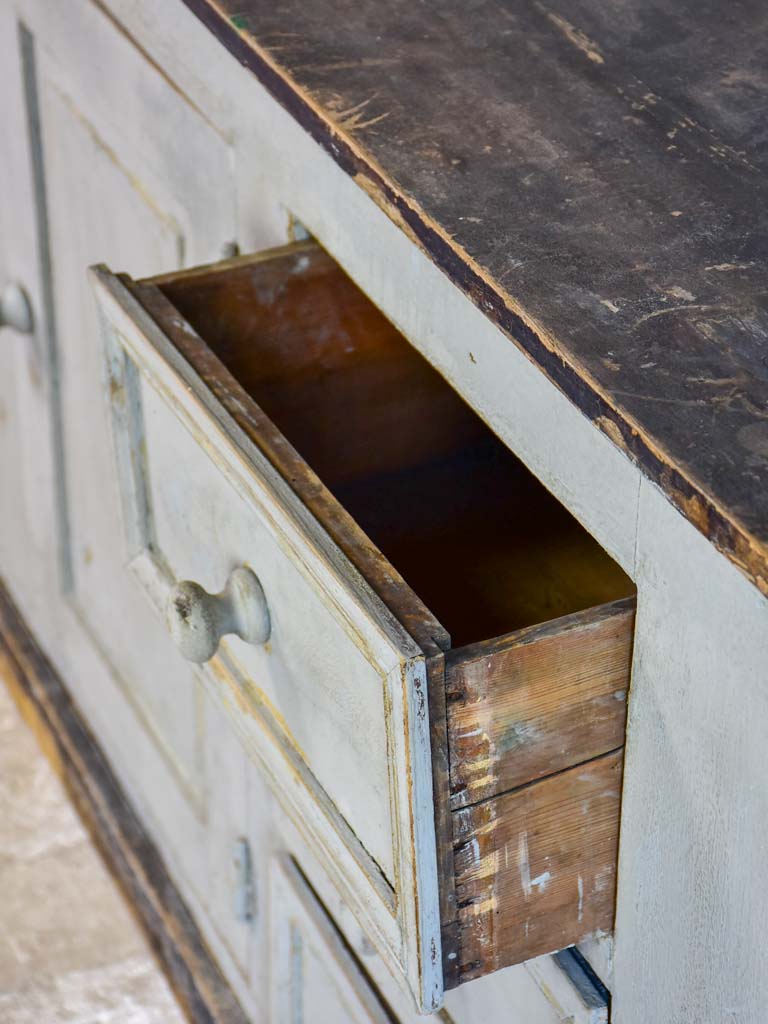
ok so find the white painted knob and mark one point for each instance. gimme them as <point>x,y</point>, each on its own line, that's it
<point>16,309</point>
<point>198,620</point>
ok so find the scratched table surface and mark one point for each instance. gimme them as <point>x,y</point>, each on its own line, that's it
<point>592,174</point>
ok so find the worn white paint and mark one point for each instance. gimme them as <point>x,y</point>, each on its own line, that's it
<point>108,190</point>
<point>226,800</point>
<point>524,864</point>
<point>142,213</point>
<point>562,995</point>
<point>510,995</point>
<point>692,899</point>
<point>15,309</point>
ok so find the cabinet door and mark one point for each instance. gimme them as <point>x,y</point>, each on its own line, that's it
<point>315,979</point>
<point>131,171</point>
<point>125,168</point>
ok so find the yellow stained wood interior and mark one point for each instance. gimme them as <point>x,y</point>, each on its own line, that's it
<point>478,538</point>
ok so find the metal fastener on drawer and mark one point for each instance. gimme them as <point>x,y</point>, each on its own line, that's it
<point>198,620</point>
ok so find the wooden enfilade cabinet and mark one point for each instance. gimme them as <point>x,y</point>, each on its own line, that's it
<point>383,536</point>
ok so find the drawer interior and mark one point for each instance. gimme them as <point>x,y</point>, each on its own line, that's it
<point>477,537</point>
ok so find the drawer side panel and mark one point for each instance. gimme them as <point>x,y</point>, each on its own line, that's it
<point>216,502</point>
<point>538,701</point>
<point>536,868</point>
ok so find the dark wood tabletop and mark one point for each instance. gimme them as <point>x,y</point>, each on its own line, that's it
<point>592,175</point>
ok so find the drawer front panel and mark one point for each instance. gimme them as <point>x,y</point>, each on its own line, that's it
<point>536,867</point>
<point>333,705</point>
<point>313,674</point>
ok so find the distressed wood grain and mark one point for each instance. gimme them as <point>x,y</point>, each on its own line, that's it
<point>281,339</point>
<point>346,409</point>
<point>230,390</point>
<point>536,867</point>
<point>297,333</point>
<point>605,219</point>
<point>380,574</point>
<point>537,701</point>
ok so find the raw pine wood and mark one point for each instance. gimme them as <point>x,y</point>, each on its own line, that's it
<point>260,429</point>
<point>537,701</point>
<point>105,810</point>
<point>536,868</point>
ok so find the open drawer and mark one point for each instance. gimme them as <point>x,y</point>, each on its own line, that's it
<point>426,652</point>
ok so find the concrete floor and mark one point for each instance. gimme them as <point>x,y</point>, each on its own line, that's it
<point>70,951</point>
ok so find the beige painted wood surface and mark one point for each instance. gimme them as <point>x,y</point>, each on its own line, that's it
<point>536,867</point>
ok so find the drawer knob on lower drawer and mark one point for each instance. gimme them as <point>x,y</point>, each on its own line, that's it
<point>16,309</point>
<point>198,620</point>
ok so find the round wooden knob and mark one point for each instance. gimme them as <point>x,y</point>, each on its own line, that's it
<point>16,309</point>
<point>198,620</point>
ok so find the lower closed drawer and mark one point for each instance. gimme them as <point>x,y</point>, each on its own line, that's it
<point>314,977</point>
<point>426,652</point>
